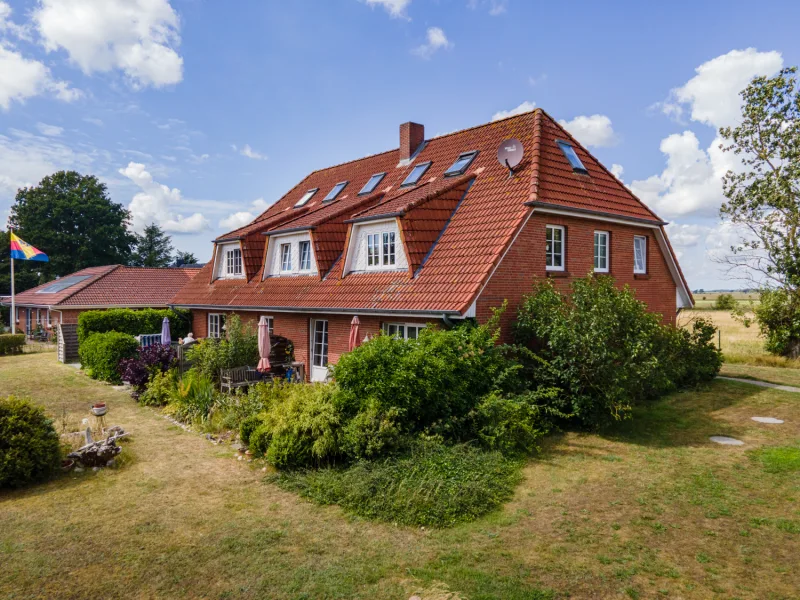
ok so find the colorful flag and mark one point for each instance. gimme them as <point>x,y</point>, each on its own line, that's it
<point>24,251</point>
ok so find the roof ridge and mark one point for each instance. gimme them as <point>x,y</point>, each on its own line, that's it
<point>489,124</point>
<point>536,152</point>
<point>616,180</point>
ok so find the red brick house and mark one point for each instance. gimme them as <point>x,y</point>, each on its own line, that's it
<point>97,288</point>
<point>436,230</point>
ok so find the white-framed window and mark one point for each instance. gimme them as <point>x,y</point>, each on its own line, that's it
<point>269,323</point>
<point>639,254</point>
<point>216,325</point>
<point>554,248</point>
<point>305,256</point>
<point>320,347</point>
<point>38,316</point>
<point>233,261</point>
<point>373,250</point>
<point>49,323</point>
<point>388,248</point>
<point>16,316</point>
<point>286,257</point>
<point>404,331</point>
<point>601,251</point>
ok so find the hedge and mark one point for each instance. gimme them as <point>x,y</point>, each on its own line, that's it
<point>133,322</point>
<point>101,354</point>
<point>11,343</point>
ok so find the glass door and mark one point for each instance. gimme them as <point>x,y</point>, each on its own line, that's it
<point>319,350</point>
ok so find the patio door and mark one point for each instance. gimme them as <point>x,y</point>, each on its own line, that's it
<point>28,316</point>
<point>319,350</point>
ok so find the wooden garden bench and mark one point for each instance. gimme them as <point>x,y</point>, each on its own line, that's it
<point>239,377</point>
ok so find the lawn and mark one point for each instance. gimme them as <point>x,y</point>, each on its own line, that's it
<point>706,300</point>
<point>649,509</point>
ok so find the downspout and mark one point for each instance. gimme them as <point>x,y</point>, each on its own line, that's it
<point>448,321</point>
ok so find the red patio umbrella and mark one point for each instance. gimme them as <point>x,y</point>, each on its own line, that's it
<point>264,345</point>
<point>354,341</point>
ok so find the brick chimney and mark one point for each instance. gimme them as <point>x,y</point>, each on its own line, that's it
<point>411,136</point>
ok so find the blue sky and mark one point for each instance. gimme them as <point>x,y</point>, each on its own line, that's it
<point>199,114</point>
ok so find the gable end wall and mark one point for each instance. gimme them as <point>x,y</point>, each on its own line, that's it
<point>525,262</point>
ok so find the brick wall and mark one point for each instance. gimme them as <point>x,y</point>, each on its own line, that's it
<point>296,327</point>
<point>525,261</point>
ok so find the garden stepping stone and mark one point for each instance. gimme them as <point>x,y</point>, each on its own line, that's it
<point>771,420</point>
<point>726,441</point>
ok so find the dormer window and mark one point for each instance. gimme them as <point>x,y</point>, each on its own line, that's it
<point>286,257</point>
<point>462,163</point>
<point>233,262</point>
<point>373,182</point>
<point>416,174</point>
<point>306,197</point>
<point>337,189</point>
<point>572,157</point>
<point>375,246</point>
<point>388,248</point>
<point>305,255</point>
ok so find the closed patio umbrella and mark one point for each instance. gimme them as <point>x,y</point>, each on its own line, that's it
<point>354,341</point>
<point>166,336</point>
<point>264,345</point>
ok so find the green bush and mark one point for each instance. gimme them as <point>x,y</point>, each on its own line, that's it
<point>193,398</point>
<point>601,347</point>
<point>434,485</point>
<point>239,348</point>
<point>11,343</point>
<point>432,382</point>
<point>248,426</point>
<point>514,424</point>
<point>101,354</point>
<point>725,302</point>
<point>160,389</point>
<point>778,316</point>
<point>133,322</point>
<point>29,446</point>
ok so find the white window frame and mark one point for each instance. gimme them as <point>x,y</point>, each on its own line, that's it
<point>270,323</point>
<point>321,345</point>
<point>49,324</point>
<point>562,254</point>
<point>218,327</point>
<point>286,256</point>
<point>401,330</point>
<point>16,310</point>
<point>233,261</point>
<point>374,250</point>
<point>605,236</point>
<point>636,269</point>
<point>388,249</point>
<point>305,257</point>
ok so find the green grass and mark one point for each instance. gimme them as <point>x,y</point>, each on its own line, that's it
<point>434,486</point>
<point>649,509</point>
<point>779,459</point>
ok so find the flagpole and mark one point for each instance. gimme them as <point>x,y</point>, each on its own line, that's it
<point>13,314</point>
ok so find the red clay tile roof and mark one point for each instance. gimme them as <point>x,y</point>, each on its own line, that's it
<point>114,285</point>
<point>464,252</point>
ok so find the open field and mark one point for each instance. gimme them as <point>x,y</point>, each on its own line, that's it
<point>649,509</point>
<point>705,300</point>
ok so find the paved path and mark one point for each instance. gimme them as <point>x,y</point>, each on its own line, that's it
<point>785,388</point>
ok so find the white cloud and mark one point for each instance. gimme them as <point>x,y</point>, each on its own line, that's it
<point>395,8</point>
<point>534,81</point>
<point>250,153</point>
<point>691,182</point>
<point>595,130</point>
<point>138,37</point>
<point>22,78</point>
<point>156,203</point>
<point>242,218</point>
<point>27,158</point>
<point>687,235</point>
<point>496,7</point>
<point>617,171</point>
<point>525,107</point>
<point>437,40</point>
<point>712,95</point>
<point>94,121</point>
<point>7,25</point>
<point>49,130</point>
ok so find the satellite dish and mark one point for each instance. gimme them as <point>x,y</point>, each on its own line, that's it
<point>510,154</point>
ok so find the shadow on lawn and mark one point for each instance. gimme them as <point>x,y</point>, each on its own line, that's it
<point>685,418</point>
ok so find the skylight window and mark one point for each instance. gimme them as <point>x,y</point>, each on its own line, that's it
<point>62,284</point>
<point>337,189</point>
<point>572,157</point>
<point>306,197</point>
<point>416,173</point>
<point>462,163</point>
<point>372,184</point>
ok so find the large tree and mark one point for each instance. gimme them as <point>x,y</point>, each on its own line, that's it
<point>184,258</point>
<point>153,248</point>
<point>763,199</point>
<point>70,217</point>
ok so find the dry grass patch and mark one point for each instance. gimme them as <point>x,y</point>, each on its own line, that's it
<point>650,508</point>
